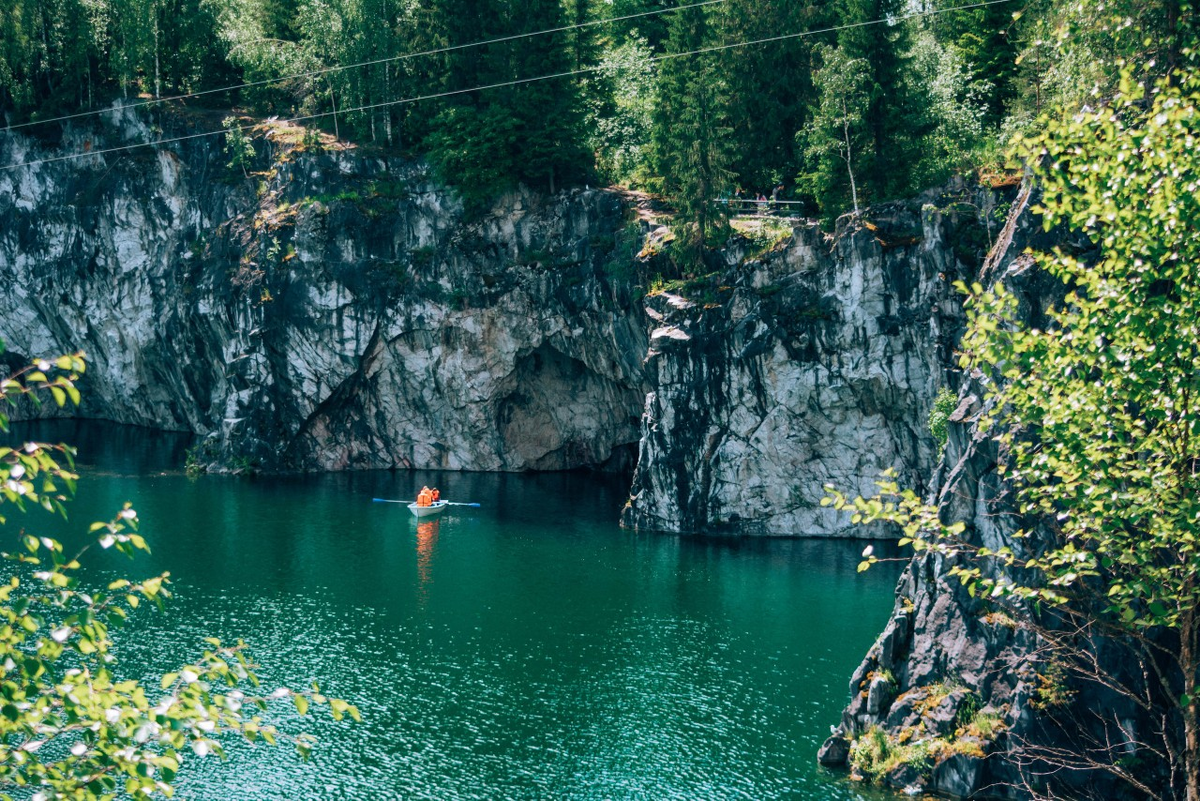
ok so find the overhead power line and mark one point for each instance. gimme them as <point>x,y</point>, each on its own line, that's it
<point>342,67</point>
<point>511,83</point>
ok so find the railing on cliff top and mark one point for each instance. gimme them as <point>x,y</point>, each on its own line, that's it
<point>748,207</point>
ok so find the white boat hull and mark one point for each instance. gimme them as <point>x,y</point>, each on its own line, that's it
<point>425,512</point>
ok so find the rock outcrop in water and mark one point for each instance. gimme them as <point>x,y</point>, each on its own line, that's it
<point>814,364</point>
<point>337,310</point>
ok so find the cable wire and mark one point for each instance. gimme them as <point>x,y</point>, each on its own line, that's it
<point>375,62</point>
<point>506,84</point>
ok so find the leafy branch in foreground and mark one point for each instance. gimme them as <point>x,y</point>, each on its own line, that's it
<point>1098,408</point>
<point>71,727</point>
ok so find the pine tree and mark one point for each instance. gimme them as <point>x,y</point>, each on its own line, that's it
<point>691,140</point>
<point>894,121</point>
<point>987,41</point>
<point>768,87</point>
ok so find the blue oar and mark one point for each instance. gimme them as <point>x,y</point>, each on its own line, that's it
<point>448,503</point>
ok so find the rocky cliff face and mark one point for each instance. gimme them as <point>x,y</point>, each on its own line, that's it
<point>334,310</point>
<point>816,363</point>
<point>1014,715</point>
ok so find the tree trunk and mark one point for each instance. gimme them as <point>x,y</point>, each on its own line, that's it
<point>1175,41</point>
<point>157,71</point>
<point>333,100</point>
<point>1188,626</point>
<point>849,155</point>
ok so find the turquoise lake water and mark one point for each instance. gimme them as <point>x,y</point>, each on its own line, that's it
<point>529,649</point>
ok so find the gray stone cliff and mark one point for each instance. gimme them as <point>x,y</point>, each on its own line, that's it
<point>1058,720</point>
<point>335,310</point>
<point>814,364</point>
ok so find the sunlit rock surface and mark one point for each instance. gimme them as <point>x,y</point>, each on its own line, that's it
<point>814,364</point>
<point>335,310</point>
<point>339,310</point>
<point>946,656</point>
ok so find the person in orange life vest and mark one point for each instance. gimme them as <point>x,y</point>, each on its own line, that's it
<point>434,495</point>
<point>423,497</point>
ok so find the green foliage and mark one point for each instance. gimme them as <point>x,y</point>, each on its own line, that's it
<point>71,726</point>
<point>1097,405</point>
<point>622,99</point>
<point>894,117</point>
<point>239,147</point>
<point>260,41</point>
<point>1051,689</point>
<point>956,105</point>
<point>934,96</point>
<point>691,139</point>
<point>836,140</point>
<point>57,56</point>
<point>1108,382</point>
<point>969,708</point>
<point>764,234</point>
<point>984,725</point>
<point>875,753</point>
<point>524,133</point>
<point>944,404</point>
<point>985,43</point>
<point>474,151</point>
<point>199,456</point>
<point>768,88</point>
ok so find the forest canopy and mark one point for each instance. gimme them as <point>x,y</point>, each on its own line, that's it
<point>820,104</point>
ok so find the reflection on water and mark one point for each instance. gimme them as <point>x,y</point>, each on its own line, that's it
<point>129,450</point>
<point>529,648</point>
<point>427,534</point>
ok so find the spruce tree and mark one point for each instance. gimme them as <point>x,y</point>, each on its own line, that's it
<point>530,132</point>
<point>894,121</point>
<point>549,113</point>
<point>691,140</point>
<point>986,38</point>
<point>768,87</point>
<point>652,28</point>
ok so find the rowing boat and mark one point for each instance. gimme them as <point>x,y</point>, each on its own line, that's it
<point>425,512</point>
